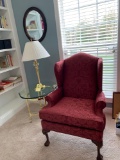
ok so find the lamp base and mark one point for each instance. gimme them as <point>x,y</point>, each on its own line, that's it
<point>39,87</point>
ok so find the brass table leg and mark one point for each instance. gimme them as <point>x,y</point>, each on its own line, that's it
<point>40,102</point>
<point>29,111</point>
<point>28,107</point>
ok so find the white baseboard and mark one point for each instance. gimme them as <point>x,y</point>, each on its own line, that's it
<point>11,112</point>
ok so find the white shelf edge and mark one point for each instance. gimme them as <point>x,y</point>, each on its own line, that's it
<point>3,8</point>
<point>7,50</point>
<point>5,29</point>
<point>10,88</point>
<point>32,14</point>
<point>32,30</point>
<point>8,69</point>
<point>10,109</point>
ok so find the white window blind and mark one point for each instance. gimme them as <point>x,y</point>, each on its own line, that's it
<point>91,26</point>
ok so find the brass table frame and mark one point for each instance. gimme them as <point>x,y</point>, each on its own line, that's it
<point>27,98</point>
<point>31,114</point>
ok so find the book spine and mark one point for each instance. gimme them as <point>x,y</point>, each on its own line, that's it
<point>0,22</point>
<point>7,62</point>
<point>3,22</point>
<point>17,81</point>
<point>5,85</point>
<point>10,59</point>
<point>3,3</point>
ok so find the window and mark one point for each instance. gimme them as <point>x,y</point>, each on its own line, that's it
<point>91,26</point>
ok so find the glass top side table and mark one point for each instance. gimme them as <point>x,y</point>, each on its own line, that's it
<point>32,95</point>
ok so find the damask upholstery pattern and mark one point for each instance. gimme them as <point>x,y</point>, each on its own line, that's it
<point>76,107</point>
<point>59,71</point>
<point>75,112</point>
<point>80,76</point>
<point>54,97</point>
<point>72,130</point>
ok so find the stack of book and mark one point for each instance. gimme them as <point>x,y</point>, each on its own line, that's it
<point>4,85</point>
<point>13,79</point>
<point>118,124</point>
<point>10,81</point>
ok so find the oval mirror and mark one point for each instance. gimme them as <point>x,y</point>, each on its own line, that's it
<point>34,24</point>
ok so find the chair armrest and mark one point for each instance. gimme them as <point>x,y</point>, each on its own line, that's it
<point>54,97</point>
<point>100,103</point>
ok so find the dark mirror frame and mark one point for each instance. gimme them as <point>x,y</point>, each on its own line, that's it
<point>44,20</point>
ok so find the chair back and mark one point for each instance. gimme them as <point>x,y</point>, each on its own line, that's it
<point>80,76</point>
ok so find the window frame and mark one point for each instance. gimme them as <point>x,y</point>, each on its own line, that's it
<point>60,48</point>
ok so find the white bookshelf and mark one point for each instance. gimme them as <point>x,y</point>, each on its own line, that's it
<point>5,29</point>
<point>10,102</point>
<point>3,8</point>
<point>7,50</point>
<point>4,70</point>
<point>11,88</point>
<point>10,109</point>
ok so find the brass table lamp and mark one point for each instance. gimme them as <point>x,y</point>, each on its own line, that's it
<point>34,50</point>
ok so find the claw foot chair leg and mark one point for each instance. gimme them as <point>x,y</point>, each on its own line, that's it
<point>46,134</point>
<point>99,145</point>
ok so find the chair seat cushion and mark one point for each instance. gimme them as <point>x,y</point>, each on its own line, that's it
<point>74,112</point>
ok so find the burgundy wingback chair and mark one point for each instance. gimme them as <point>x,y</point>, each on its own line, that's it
<point>76,106</point>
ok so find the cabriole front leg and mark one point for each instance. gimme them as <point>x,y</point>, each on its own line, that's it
<point>45,132</point>
<point>99,146</point>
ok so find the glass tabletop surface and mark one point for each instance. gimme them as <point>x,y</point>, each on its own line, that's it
<point>32,94</point>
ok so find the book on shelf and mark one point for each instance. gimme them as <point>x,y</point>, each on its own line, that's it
<point>4,85</point>
<point>9,58</point>
<point>10,81</point>
<point>3,22</point>
<point>2,3</point>
<point>3,63</point>
<point>6,61</point>
<point>13,79</point>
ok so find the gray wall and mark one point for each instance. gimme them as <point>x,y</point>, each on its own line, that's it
<point>50,43</point>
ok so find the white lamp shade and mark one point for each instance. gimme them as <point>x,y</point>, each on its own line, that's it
<point>34,50</point>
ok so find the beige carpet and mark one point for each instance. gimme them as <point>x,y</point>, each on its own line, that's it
<point>21,140</point>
